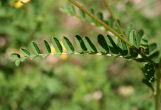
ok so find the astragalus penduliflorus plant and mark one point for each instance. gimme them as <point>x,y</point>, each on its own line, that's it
<point>130,45</point>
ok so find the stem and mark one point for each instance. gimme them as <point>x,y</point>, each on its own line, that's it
<point>157,96</point>
<point>113,16</point>
<point>101,22</point>
<point>78,53</point>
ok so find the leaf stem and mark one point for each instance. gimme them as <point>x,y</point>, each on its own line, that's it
<point>78,53</point>
<point>113,16</point>
<point>101,22</point>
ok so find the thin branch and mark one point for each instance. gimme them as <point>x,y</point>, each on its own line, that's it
<point>113,16</point>
<point>78,53</point>
<point>101,22</point>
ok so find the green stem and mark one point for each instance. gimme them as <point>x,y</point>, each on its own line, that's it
<point>113,16</point>
<point>101,22</point>
<point>158,83</point>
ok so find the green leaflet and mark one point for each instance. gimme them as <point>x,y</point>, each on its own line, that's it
<point>68,45</point>
<point>133,38</point>
<point>128,30</point>
<point>154,56</point>
<point>140,60</point>
<point>152,47</point>
<point>35,48</point>
<point>57,45</point>
<point>113,47</point>
<point>106,22</point>
<point>149,71</point>
<point>46,47</point>
<point>100,16</point>
<point>123,47</point>
<point>80,44</point>
<point>90,46</point>
<point>65,10</point>
<point>68,9</point>
<point>133,52</point>
<point>15,56</point>
<point>93,12</point>
<point>111,22</point>
<point>150,85</point>
<point>25,52</point>
<point>82,13</point>
<point>139,37</point>
<point>72,10</point>
<point>104,49</point>
<point>17,62</point>
<point>144,44</point>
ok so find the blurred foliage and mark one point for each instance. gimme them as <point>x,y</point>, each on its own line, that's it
<point>77,83</point>
<point>24,24</point>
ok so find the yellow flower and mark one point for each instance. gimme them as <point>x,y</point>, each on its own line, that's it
<point>53,49</point>
<point>25,1</point>
<point>62,57</point>
<point>18,3</point>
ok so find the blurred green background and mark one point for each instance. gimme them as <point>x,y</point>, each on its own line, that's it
<point>77,82</point>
